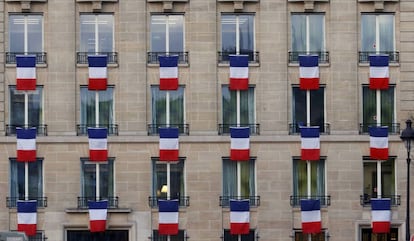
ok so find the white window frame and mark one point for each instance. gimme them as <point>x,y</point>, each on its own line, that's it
<point>26,23</point>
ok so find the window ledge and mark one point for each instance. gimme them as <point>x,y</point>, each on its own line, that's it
<point>366,64</point>
<point>228,65</point>
<point>110,210</point>
<point>158,65</point>
<point>37,65</point>
<point>86,65</point>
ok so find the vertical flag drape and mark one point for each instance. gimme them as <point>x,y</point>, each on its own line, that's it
<point>168,72</point>
<point>239,217</point>
<point>308,72</point>
<point>311,216</point>
<point>26,144</point>
<point>239,143</point>
<point>239,72</point>
<point>98,144</point>
<point>381,215</point>
<point>27,217</point>
<point>98,79</point>
<point>378,139</point>
<point>168,217</point>
<point>379,72</point>
<point>26,72</point>
<point>169,146</point>
<point>98,211</point>
<point>310,143</point>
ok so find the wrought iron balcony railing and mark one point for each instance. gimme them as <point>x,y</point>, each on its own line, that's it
<point>82,129</point>
<point>365,200</point>
<point>224,129</point>
<point>294,56</point>
<point>325,200</point>
<point>83,201</point>
<point>364,56</point>
<point>184,201</point>
<point>295,129</point>
<point>223,56</point>
<point>254,201</point>
<point>41,130</point>
<point>11,202</point>
<point>153,129</point>
<point>41,57</point>
<point>39,236</point>
<point>393,128</point>
<point>82,57</point>
<point>152,57</point>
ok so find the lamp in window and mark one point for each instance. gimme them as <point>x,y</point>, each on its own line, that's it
<point>164,189</point>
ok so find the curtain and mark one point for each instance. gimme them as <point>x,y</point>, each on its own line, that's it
<point>228,33</point>
<point>246,28</point>
<point>317,108</point>
<point>229,178</point>
<point>176,31</point>
<point>369,107</point>
<point>17,179</point>
<point>316,32</point>
<point>299,178</point>
<point>158,33</point>
<point>298,29</point>
<point>299,106</point>
<point>318,178</point>
<point>106,181</point>
<point>229,99</point>
<point>159,106</point>
<point>247,177</point>
<point>35,107</point>
<point>88,105</point>
<point>368,39</point>
<point>386,32</point>
<point>387,106</point>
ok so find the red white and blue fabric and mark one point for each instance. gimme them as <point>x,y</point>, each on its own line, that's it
<point>168,72</point>
<point>381,215</point>
<point>98,211</point>
<point>311,216</point>
<point>98,144</point>
<point>239,143</point>
<point>168,217</point>
<point>308,72</point>
<point>26,144</point>
<point>169,148</point>
<point>239,72</point>
<point>27,217</point>
<point>25,72</point>
<point>98,72</point>
<point>378,141</point>
<point>310,143</point>
<point>379,74</point>
<point>239,217</point>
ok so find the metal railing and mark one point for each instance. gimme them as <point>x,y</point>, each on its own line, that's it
<point>223,56</point>
<point>184,201</point>
<point>295,129</point>
<point>323,56</point>
<point>365,200</point>
<point>82,129</point>
<point>325,200</point>
<point>41,57</point>
<point>83,201</point>
<point>224,129</point>
<point>363,56</point>
<point>153,129</point>
<point>152,57</point>
<point>82,57</point>
<point>41,130</point>
<point>11,202</point>
<point>393,128</point>
<point>254,201</point>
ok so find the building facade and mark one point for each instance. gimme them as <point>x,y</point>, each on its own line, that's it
<point>204,33</point>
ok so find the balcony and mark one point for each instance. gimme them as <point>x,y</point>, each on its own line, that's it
<point>393,128</point>
<point>224,129</point>
<point>82,130</point>
<point>83,201</point>
<point>184,201</point>
<point>254,201</point>
<point>11,202</point>
<point>364,56</point>
<point>223,57</point>
<point>294,56</point>
<point>325,200</point>
<point>294,129</point>
<point>153,129</point>
<point>365,200</point>
<point>41,130</point>
<point>41,57</point>
<point>152,57</point>
<point>82,57</point>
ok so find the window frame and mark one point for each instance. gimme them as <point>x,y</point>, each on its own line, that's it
<point>377,35</point>
<point>167,32</point>
<point>25,32</point>
<point>181,236</point>
<point>307,31</point>
<point>252,236</point>
<point>297,235</point>
<point>237,31</point>
<point>96,45</point>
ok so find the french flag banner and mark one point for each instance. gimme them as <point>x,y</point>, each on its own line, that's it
<point>239,143</point>
<point>168,72</point>
<point>168,217</point>
<point>27,217</point>
<point>98,211</point>
<point>98,144</point>
<point>378,142</point>
<point>169,143</point>
<point>239,72</point>
<point>26,144</point>
<point>98,79</point>
<point>310,143</point>
<point>379,74</point>
<point>26,72</point>
<point>239,217</point>
<point>311,216</point>
<point>381,215</point>
<point>309,72</point>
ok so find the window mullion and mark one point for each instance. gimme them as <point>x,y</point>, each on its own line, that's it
<point>96,34</point>
<point>26,35</point>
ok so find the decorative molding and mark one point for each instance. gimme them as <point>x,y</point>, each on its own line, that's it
<point>309,4</point>
<point>378,4</point>
<point>238,4</point>
<point>167,5</point>
<point>26,4</point>
<point>97,4</point>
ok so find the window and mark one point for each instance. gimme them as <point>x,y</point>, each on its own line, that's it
<point>378,107</point>
<point>181,236</point>
<point>309,181</point>
<point>377,36</point>
<point>299,236</point>
<point>314,111</point>
<point>168,109</point>
<point>244,237</point>
<point>239,181</point>
<point>86,235</point>
<point>167,37</point>
<point>175,186</point>
<point>383,185</point>
<point>237,36</point>
<point>25,37</point>
<point>308,36</point>
<point>18,189</point>
<point>367,235</point>
<point>238,109</point>
<point>97,182</point>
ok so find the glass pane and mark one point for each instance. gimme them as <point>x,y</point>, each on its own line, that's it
<point>370,179</point>
<point>299,106</point>
<point>229,105</point>
<point>388,178</point>
<point>35,179</point>
<point>177,106</point>
<point>177,180</point>
<point>87,33</point>
<point>246,30</point>
<point>228,33</point>
<point>158,106</point>
<point>369,106</point>
<point>16,33</point>
<point>386,32</point>
<point>245,178</point>
<point>298,32</point>
<point>88,180</point>
<point>105,33</point>
<point>317,178</point>
<point>34,33</point>
<point>106,181</point>
<point>21,179</point>
<point>158,33</point>
<point>368,42</point>
<point>176,31</point>
<point>317,108</point>
<point>247,106</point>
<point>387,106</point>
<point>106,105</point>
<point>299,178</point>
<point>229,178</point>
<point>316,32</point>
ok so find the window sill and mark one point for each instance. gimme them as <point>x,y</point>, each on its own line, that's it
<point>320,65</point>
<point>110,210</point>
<point>366,64</point>
<point>150,65</point>
<point>86,65</point>
<point>255,64</point>
<point>37,65</point>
